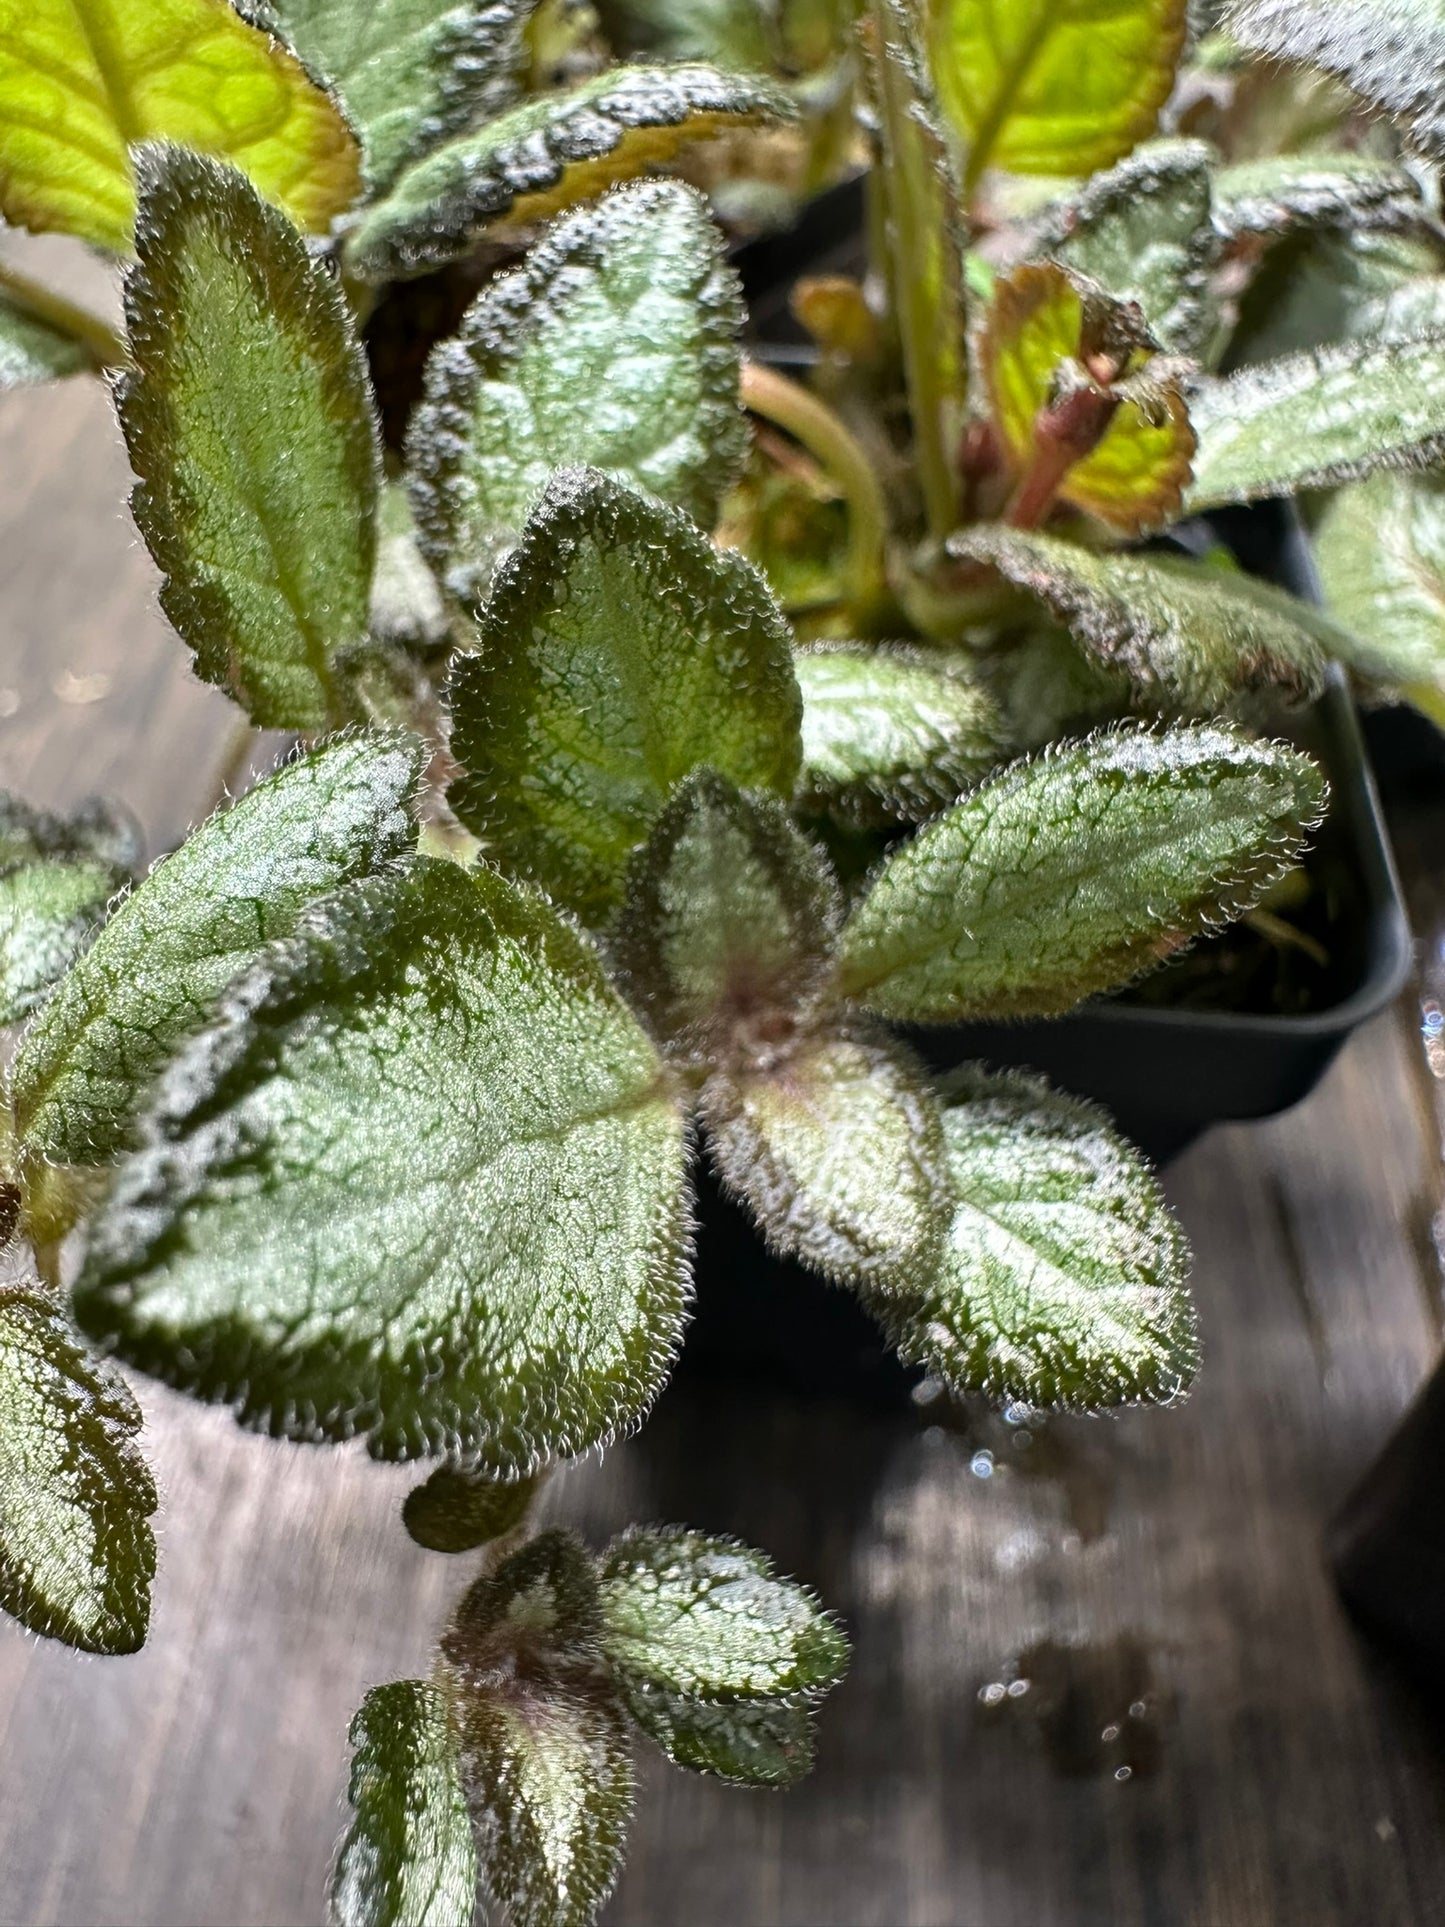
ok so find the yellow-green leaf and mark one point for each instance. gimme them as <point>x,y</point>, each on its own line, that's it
<point>83,81</point>
<point>1053,86</point>
<point>1049,333</point>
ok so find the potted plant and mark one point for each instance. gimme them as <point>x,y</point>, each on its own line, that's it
<point>371,1111</point>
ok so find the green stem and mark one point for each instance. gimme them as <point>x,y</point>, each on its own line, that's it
<point>813,424</point>
<point>925,294</point>
<point>105,346</point>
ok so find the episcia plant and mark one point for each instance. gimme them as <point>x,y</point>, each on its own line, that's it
<point>372,1110</point>
<point>1118,280</point>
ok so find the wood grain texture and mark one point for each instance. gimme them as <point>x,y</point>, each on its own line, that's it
<point>1169,1561</point>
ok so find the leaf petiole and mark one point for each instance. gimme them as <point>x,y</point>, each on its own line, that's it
<point>104,344</point>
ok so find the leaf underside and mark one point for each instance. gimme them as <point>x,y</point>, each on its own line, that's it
<point>242,878</point>
<point>84,81</point>
<point>248,421</point>
<point>547,154</point>
<point>619,651</point>
<point>343,1215</point>
<point>77,1554</point>
<point>408,1859</point>
<point>1063,1280</point>
<point>1189,636</point>
<point>1072,872</point>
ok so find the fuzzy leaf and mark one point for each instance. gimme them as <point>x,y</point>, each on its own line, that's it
<point>618,652</point>
<point>49,911</point>
<point>615,345</point>
<point>77,1555</point>
<point>835,1149</point>
<point>97,831</point>
<point>545,1745</point>
<point>1040,328</point>
<point>248,420</point>
<point>726,935</point>
<point>752,1742</point>
<point>1054,86</point>
<point>407,610</point>
<point>1189,636</point>
<point>1315,420</point>
<point>33,351</point>
<point>408,1858</point>
<point>1381,550</point>
<point>175,943</point>
<point>891,735</point>
<point>1064,1277</point>
<point>84,81</point>
<point>459,1509</point>
<point>1143,231</point>
<point>1070,873</point>
<point>412,72</point>
<point>709,1619</point>
<point>549,153</point>
<point>1285,194</point>
<point>421,1178</point>
<point>1389,51</point>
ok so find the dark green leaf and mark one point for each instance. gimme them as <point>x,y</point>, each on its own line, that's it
<point>1284,193</point>
<point>709,1618</point>
<point>1381,549</point>
<point>1143,231</point>
<point>618,652</point>
<point>760,1742</point>
<point>891,735</point>
<point>248,420</point>
<point>614,345</point>
<point>1391,56</point>
<point>726,936</point>
<point>412,72</point>
<point>175,943</point>
<point>835,1148</point>
<point>1070,873</point>
<point>31,350</point>
<point>459,1509</point>
<point>549,153</point>
<point>1190,636</point>
<point>545,1745</point>
<point>77,1555</point>
<point>1064,1277</point>
<point>97,831</point>
<point>422,1178</point>
<point>408,1858</point>
<point>49,911</point>
<point>1315,420</point>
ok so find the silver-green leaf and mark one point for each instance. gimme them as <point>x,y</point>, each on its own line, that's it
<point>891,734</point>
<point>725,939</point>
<point>1315,420</point>
<point>249,423</point>
<point>412,73</point>
<point>1189,636</point>
<point>618,652</point>
<point>613,345</point>
<point>174,944</point>
<point>77,1554</point>
<point>548,153</point>
<point>708,1618</point>
<point>746,1742</point>
<point>49,911</point>
<point>1064,1278</point>
<point>409,1858</point>
<point>1073,871</point>
<point>32,350</point>
<point>422,1178</point>
<point>1391,55</point>
<point>835,1148</point>
<point>1381,550</point>
<point>1289,193</point>
<point>545,1745</point>
<point>1143,231</point>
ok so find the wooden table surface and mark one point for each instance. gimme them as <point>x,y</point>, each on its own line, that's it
<point>1272,1771</point>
